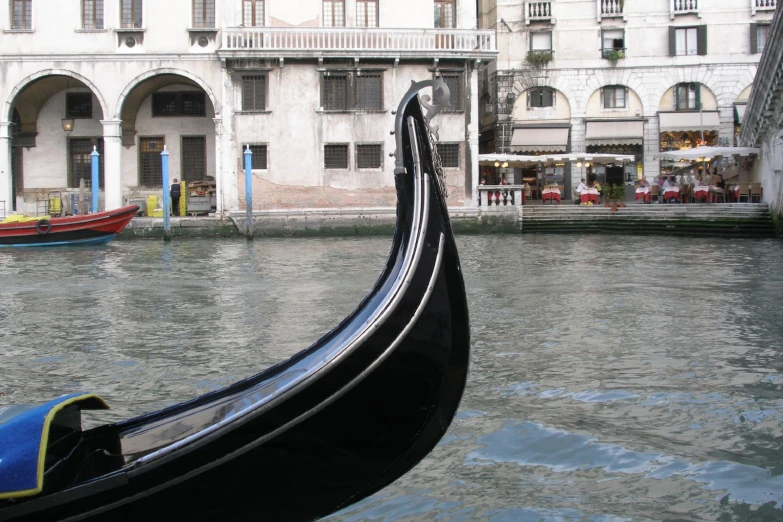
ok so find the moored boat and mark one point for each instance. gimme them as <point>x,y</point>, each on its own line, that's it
<point>100,227</point>
<point>300,440</point>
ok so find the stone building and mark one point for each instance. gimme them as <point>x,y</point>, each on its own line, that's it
<point>763,123</point>
<point>617,77</point>
<point>308,85</point>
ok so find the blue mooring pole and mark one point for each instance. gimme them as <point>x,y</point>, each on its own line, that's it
<point>249,193</point>
<point>164,156</point>
<point>94,156</point>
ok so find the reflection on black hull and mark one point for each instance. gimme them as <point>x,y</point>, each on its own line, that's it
<point>332,425</point>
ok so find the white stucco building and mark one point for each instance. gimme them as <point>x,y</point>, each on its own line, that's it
<point>309,85</point>
<point>610,76</point>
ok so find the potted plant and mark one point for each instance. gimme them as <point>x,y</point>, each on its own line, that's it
<point>614,55</point>
<point>539,59</point>
<point>615,196</point>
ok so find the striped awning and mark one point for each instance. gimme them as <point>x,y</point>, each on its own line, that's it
<point>540,139</point>
<point>689,121</point>
<point>615,132</point>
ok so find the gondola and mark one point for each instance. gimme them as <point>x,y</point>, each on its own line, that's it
<point>308,436</point>
<point>89,229</point>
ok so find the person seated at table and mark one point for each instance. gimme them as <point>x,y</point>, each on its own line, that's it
<point>668,185</point>
<point>643,190</point>
<point>579,190</point>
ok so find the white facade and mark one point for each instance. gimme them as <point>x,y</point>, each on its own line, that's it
<point>708,50</point>
<point>207,82</point>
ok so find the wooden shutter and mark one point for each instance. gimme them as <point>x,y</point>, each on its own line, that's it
<point>754,39</point>
<point>602,43</point>
<point>547,98</point>
<point>672,41</point>
<point>701,39</point>
<point>677,97</point>
<point>698,95</point>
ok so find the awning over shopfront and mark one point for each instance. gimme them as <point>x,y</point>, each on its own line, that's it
<point>705,153</point>
<point>516,160</point>
<point>689,121</point>
<point>543,139</point>
<point>615,132</point>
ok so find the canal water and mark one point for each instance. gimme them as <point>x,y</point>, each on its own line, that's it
<point>612,378</point>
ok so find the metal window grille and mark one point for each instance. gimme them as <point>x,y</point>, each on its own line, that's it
<point>203,14</point>
<point>369,91</point>
<point>131,13</point>
<point>444,14</point>
<point>193,103</point>
<point>188,103</point>
<point>150,162</point>
<point>449,154</point>
<point>336,156</point>
<point>254,93</point>
<point>21,14</point>
<point>78,105</point>
<point>454,82</point>
<point>334,13</point>
<point>366,13</point>
<point>164,104</point>
<point>369,156</point>
<point>335,92</point>
<point>92,14</point>
<point>81,161</point>
<point>253,13</point>
<point>194,158</point>
<point>259,158</point>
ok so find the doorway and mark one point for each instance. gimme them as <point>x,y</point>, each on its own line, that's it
<point>17,174</point>
<point>614,176</point>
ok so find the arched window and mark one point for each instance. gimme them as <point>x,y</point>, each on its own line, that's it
<point>614,97</point>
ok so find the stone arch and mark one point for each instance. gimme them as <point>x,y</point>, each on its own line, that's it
<point>664,98</point>
<point>631,79</point>
<point>635,107</point>
<point>52,72</point>
<point>168,71</point>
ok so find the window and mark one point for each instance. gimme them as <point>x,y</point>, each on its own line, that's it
<point>444,14</point>
<point>203,14</point>
<point>334,13</point>
<point>614,97</point>
<point>612,40</point>
<point>253,13</point>
<point>449,155</point>
<point>454,81</point>
<point>194,158</point>
<point>150,162</point>
<point>187,103</point>
<point>258,160</point>
<point>78,105</point>
<point>80,164</point>
<point>366,13</point>
<point>349,91</point>
<point>688,41</point>
<point>336,156</point>
<point>687,96</point>
<point>131,14</point>
<point>758,37</point>
<point>369,156</point>
<point>21,14</point>
<point>92,14</point>
<point>254,93</point>
<point>541,97</point>
<point>541,41</point>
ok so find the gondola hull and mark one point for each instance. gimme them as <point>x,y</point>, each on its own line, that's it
<point>309,436</point>
<point>97,228</point>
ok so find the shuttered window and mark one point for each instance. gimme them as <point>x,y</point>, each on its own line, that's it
<point>254,93</point>
<point>80,161</point>
<point>150,162</point>
<point>687,96</point>
<point>758,37</point>
<point>688,41</point>
<point>194,158</point>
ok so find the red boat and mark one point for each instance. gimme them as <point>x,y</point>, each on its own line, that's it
<point>89,229</point>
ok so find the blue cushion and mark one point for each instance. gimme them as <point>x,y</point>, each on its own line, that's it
<point>24,434</point>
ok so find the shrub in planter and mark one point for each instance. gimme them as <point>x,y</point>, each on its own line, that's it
<point>539,58</point>
<point>614,55</point>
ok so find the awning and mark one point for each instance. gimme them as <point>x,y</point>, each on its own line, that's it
<point>706,153</point>
<point>516,160</point>
<point>615,133</point>
<point>532,139</point>
<point>739,112</point>
<point>689,121</point>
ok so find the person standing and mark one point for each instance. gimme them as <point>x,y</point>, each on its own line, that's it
<point>176,192</point>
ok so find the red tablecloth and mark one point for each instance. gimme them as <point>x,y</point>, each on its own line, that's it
<point>643,193</point>
<point>550,194</point>
<point>701,192</point>
<point>589,195</point>
<point>672,193</point>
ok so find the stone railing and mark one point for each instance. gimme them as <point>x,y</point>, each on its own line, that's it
<point>538,11</point>
<point>610,9</point>
<point>248,41</point>
<point>500,195</point>
<point>683,7</point>
<point>762,5</point>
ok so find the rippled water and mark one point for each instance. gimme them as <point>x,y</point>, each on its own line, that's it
<point>612,378</point>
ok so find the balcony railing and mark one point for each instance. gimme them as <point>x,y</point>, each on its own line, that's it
<point>500,195</point>
<point>684,7</point>
<point>373,40</point>
<point>762,5</point>
<point>538,11</point>
<point>610,9</point>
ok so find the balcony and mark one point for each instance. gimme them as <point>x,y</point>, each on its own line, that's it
<point>681,7</point>
<point>762,5</point>
<point>287,42</point>
<point>538,12</point>
<point>610,9</point>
